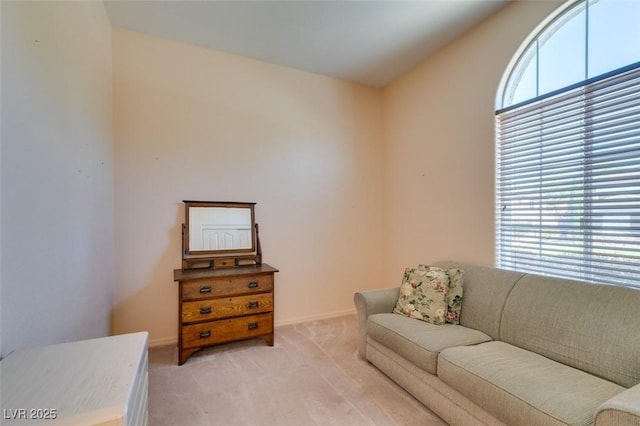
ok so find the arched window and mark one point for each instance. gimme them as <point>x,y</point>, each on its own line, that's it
<point>568,147</point>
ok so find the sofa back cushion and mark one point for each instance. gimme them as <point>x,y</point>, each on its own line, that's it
<point>594,328</point>
<point>485,293</point>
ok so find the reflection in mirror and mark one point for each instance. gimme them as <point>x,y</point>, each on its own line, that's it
<point>217,228</point>
<point>220,228</point>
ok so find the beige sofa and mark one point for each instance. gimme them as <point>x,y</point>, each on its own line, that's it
<point>529,350</point>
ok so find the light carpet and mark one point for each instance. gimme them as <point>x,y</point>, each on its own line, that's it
<point>312,376</point>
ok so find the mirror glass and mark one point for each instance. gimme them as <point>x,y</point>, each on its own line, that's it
<point>216,227</point>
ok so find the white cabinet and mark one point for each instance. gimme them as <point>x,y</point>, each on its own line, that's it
<point>90,382</point>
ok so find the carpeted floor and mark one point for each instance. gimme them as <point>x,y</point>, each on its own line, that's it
<point>312,376</point>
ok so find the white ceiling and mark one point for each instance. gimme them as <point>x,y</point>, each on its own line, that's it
<point>369,42</point>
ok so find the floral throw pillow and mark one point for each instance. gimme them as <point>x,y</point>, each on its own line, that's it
<point>423,295</point>
<point>454,293</point>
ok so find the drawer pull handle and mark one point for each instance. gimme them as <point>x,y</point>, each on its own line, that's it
<point>205,310</point>
<point>253,284</point>
<point>253,304</point>
<point>205,334</point>
<point>205,289</point>
<point>253,325</point>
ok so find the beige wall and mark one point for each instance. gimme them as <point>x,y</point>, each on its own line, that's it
<point>57,173</point>
<point>336,169</point>
<point>198,124</point>
<point>439,145</point>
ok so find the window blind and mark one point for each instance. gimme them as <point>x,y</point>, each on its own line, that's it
<point>568,182</point>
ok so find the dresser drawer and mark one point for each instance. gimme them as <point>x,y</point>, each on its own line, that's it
<point>226,307</point>
<point>226,286</point>
<point>226,330</point>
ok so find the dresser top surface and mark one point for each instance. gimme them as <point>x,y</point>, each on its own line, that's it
<point>194,274</point>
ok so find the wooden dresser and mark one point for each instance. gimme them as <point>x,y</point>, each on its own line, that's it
<point>224,305</point>
<point>89,382</point>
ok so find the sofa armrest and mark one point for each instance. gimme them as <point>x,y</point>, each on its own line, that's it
<point>371,302</point>
<point>622,409</point>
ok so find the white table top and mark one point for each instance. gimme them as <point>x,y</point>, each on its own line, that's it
<point>84,382</point>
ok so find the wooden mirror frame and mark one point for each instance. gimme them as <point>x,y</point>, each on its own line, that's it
<point>224,258</point>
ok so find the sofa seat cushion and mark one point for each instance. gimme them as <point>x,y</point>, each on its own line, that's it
<point>521,387</point>
<point>417,341</point>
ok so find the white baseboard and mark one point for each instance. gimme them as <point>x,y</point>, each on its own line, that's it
<point>163,341</point>
<point>316,317</point>
<point>173,340</point>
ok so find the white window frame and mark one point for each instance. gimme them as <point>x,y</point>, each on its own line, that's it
<point>581,143</point>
